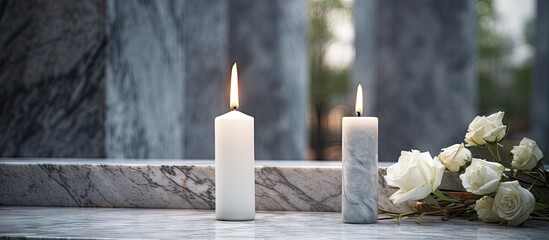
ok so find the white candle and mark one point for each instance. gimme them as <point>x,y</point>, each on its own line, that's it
<point>359,156</point>
<point>234,161</point>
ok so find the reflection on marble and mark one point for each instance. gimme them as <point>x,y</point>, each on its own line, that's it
<point>51,78</point>
<point>201,224</point>
<point>312,186</point>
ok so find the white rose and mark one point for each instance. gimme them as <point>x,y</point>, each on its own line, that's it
<point>482,177</point>
<point>513,203</point>
<point>455,156</point>
<point>483,207</point>
<point>526,155</point>
<point>485,129</point>
<point>416,174</point>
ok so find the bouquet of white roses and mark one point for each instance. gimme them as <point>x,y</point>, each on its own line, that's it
<point>500,191</point>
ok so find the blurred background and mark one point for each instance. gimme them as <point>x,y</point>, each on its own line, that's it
<point>145,79</point>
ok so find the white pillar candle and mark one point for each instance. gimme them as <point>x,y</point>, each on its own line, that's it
<point>234,161</point>
<point>359,156</point>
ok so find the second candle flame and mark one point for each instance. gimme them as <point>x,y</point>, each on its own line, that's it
<point>358,106</point>
<point>234,88</point>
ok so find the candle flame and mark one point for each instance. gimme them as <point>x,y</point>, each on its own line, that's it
<point>234,88</point>
<point>358,105</point>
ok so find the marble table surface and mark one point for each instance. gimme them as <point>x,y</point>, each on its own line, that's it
<point>126,223</point>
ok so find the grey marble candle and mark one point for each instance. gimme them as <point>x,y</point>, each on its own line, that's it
<point>359,156</point>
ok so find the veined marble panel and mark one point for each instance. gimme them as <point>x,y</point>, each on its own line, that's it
<point>539,112</point>
<point>207,67</point>
<point>145,78</point>
<point>285,186</point>
<point>269,41</point>
<point>416,61</point>
<point>51,78</point>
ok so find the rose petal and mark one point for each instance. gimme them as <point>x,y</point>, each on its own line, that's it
<point>418,193</point>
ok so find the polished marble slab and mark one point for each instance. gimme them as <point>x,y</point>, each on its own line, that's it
<point>417,63</point>
<point>144,80</point>
<point>539,112</point>
<point>189,184</point>
<point>268,39</point>
<point>39,222</point>
<point>51,78</point>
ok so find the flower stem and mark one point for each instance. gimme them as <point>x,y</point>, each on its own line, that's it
<point>537,178</point>
<point>523,181</point>
<point>493,148</point>
<point>458,208</point>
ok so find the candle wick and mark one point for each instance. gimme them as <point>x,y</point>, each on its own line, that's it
<point>234,108</point>
<point>358,113</point>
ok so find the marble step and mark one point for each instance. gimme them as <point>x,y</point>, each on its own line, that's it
<point>280,185</point>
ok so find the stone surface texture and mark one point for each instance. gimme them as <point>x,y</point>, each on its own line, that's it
<point>51,85</point>
<point>416,61</point>
<point>540,84</point>
<point>78,223</point>
<point>279,185</point>
<point>268,39</point>
<point>145,90</point>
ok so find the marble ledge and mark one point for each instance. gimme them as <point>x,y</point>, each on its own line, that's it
<point>186,184</point>
<point>123,223</point>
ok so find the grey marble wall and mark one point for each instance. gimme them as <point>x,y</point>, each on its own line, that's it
<point>363,72</point>
<point>540,84</point>
<point>51,78</point>
<point>268,39</point>
<point>207,67</point>
<point>145,79</point>
<point>145,90</point>
<point>416,60</point>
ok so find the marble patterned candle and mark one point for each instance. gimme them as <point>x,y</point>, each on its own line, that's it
<point>234,161</point>
<point>359,156</point>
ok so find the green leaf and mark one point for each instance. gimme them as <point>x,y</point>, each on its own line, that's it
<point>541,194</point>
<point>418,219</point>
<point>493,148</point>
<point>443,197</point>
<point>507,129</point>
<point>472,216</point>
<point>431,201</point>
<point>506,164</point>
<point>540,169</point>
<point>540,206</point>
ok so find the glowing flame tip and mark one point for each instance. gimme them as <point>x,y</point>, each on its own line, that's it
<point>358,106</point>
<point>234,88</point>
